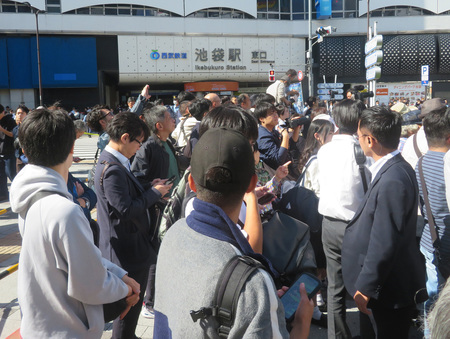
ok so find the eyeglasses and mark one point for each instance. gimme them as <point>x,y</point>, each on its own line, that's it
<point>140,143</point>
<point>104,116</point>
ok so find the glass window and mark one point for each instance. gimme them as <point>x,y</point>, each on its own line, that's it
<point>285,6</point>
<point>237,15</point>
<point>53,9</point>
<point>10,8</point>
<point>111,10</point>
<point>273,6</point>
<point>53,2</point>
<point>336,5</point>
<point>299,6</point>
<point>124,10</point>
<point>376,13</point>
<point>83,10</point>
<point>337,14</point>
<point>273,16</point>
<point>298,17</point>
<point>23,9</point>
<point>213,14</point>
<point>350,5</point>
<point>97,10</point>
<point>285,17</point>
<point>70,12</point>
<point>262,5</point>
<point>262,16</point>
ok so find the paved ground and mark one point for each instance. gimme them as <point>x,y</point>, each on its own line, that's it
<point>10,244</point>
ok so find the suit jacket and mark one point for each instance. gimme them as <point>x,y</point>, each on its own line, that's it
<point>380,256</point>
<point>126,237</point>
<point>269,145</point>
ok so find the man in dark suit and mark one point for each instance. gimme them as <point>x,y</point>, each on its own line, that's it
<point>381,263</point>
<point>126,237</point>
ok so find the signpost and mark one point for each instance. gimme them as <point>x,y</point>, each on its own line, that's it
<point>328,91</point>
<point>300,75</point>
<point>374,58</point>
<point>425,72</point>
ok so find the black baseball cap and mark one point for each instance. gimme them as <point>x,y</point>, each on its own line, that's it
<point>226,148</point>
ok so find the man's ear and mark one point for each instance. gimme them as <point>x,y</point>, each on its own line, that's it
<point>252,185</point>
<point>159,126</point>
<point>124,138</point>
<point>192,183</point>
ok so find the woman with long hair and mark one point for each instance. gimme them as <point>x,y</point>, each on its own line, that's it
<point>320,132</point>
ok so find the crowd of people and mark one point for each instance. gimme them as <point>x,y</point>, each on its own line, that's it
<point>381,176</point>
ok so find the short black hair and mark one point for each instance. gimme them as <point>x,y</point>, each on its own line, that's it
<point>385,125</point>
<point>199,107</point>
<point>311,101</point>
<point>127,122</point>
<point>94,117</point>
<point>154,115</point>
<point>436,125</point>
<point>185,96</point>
<point>2,108</point>
<point>23,108</point>
<point>232,117</point>
<point>47,136</point>
<point>346,115</point>
<point>262,110</point>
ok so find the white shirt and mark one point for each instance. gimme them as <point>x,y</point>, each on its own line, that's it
<point>276,90</point>
<point>341,188</point>
<point>408,151</point>
<point>123,159</point>
<point>375,168</point>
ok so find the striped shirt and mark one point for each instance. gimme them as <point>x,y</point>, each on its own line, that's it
<point>433,171</point>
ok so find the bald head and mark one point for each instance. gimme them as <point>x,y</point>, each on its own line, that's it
<point>214,98</point>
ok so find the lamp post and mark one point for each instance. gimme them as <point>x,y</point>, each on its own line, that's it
<point>36,13</point>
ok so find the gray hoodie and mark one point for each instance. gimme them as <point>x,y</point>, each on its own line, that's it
<point>63,280</point>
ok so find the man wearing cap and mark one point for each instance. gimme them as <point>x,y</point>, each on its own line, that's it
<point>278,91</point>
<point>195,251</point>
<point>417,144</point>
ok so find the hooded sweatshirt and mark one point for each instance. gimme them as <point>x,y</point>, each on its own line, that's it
<point>63,280</point>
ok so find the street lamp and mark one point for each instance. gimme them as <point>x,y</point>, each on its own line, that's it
<point>36,13</point>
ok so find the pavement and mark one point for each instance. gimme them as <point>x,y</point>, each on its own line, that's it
<point>10,245</point>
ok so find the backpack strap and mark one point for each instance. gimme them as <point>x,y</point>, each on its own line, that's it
<point>416,146</point>
<point>361,160</point>
<point>39,195</point>
<point>229,286</point>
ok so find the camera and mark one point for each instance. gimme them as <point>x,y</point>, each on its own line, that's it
<point>292,123</point>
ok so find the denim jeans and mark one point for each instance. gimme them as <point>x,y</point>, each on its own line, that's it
<point>435,282</point>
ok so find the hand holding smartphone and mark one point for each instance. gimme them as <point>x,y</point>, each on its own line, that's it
<point>291,298</point>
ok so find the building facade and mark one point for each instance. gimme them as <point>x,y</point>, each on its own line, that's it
<point>99,51</point>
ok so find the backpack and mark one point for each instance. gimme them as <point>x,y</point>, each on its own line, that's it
<point>175,207</point>
<point>229,286</point>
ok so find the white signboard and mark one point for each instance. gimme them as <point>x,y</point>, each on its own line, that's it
<point>375,58</point>
<point>425,73</point>
<point>177,59</point>
<point>375,43</point>
<point>373,73</point>
<point>395,91</point>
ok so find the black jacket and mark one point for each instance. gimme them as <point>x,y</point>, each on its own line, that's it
<point>151,161</point>
<point>126,237</point>
<point>380,255</point>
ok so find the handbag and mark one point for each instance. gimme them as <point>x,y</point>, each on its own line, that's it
<point>286,244</point>
<point>442,262</point>
<point>300,203</point>
<point>91,173</point>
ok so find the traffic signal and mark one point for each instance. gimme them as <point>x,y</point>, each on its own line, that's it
<point>272,75</point>
<point>324,31</point>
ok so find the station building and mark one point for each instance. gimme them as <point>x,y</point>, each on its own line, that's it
<point>101,51</point>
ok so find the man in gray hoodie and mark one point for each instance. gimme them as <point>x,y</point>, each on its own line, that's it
<point>63,280</point>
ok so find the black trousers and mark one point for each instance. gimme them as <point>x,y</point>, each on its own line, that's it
<point>125,328</point>
<point>392,323</point>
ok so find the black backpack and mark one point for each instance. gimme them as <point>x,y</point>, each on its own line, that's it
<point>231,281</point>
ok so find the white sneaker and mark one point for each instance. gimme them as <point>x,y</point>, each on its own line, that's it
<point>147,312</point>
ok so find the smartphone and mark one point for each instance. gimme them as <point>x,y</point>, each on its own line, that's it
<point>291,298</point>
<point>170,180</point>
<point>266,198</point>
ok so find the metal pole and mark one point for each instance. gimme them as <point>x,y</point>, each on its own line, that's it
<point>36,13</point>
<point>310,58</point>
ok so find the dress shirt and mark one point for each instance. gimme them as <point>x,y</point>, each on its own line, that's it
<point>380,163</point>
<point>123,159</point>
<point>341,188</point>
